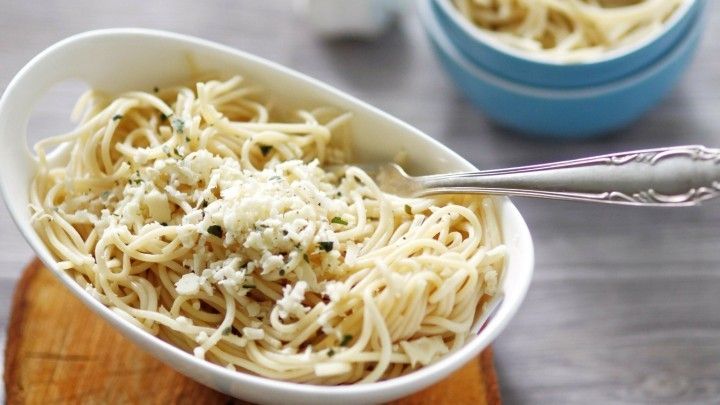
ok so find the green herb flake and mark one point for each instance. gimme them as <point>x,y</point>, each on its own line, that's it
<point>338,220</point>
<point>215,230</point>
<point>227,331</point>
<point>345,340</point>
<point>117,117</point>
<point>187,139</point>
<point>248,286</point>
<point>306,258</point>
<point>408,210</point>
<point>331,352</point>
<point>326,246</point>
<point>265,149</point>
<point>177,153</point>
<point>179,125</point>
<point>204,204</point>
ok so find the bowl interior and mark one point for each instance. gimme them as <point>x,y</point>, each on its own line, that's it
<point>479,35</point>
<point>437,35</point>
<point>127,59</point>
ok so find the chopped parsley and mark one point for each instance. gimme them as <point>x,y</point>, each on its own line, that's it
<point>187,139</point>
<point>177,153</point>
<point>117,117</point>
<point>227,331</point>
<point>408,210</point>
<point>215,230</point>
<point>331,352</point>
<point>179,125</point>
<point>306,258</point>
<point>248,286</point>
<point>326,246</point>
<point>345,340</point>
<point>265,149</point>
<point>204,204</point>
<point>338,220</point>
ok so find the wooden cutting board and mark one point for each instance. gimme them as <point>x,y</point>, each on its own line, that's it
<point>59,352</point>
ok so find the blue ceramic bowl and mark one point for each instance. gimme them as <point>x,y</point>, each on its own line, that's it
<point>485,51</point>
<point>562,113</point>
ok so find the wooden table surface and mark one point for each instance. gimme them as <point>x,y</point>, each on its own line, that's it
<point>625,303</point>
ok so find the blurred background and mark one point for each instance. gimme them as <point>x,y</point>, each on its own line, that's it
<point>624,304</point>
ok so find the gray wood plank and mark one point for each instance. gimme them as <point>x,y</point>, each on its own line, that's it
<point>623,308</point>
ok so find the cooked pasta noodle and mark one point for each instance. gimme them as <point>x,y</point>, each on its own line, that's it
<point>207,218</point>
<point>569,30</point>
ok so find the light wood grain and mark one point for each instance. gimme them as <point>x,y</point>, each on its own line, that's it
<point>624,306</point>
<point>60,352</point>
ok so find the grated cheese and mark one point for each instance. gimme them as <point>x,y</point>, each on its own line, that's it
<point>424,350</point>
<point>291,302</point>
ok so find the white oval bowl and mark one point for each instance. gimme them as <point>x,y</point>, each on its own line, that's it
<point>118,60</point>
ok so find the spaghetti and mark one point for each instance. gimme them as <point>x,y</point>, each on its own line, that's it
<point>205,217</point>
<point>569,31</point>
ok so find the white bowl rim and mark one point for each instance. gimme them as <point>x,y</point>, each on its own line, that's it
<point>479,35</point>
<point>440,37</point>
<point>354,392</point>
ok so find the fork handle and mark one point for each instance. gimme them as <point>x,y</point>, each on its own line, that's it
<point>674,176</point>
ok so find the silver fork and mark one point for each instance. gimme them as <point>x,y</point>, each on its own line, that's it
<point>664,177</point>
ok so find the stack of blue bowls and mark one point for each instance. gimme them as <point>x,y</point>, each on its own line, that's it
<point>561,100</point>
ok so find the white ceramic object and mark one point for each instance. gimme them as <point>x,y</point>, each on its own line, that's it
<point>349,18</point>
<point>129,59</point>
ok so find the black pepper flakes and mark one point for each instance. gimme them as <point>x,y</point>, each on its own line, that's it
<point>215,230</point>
